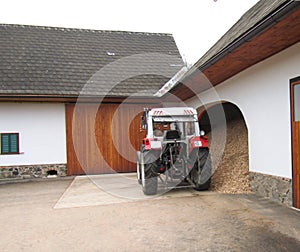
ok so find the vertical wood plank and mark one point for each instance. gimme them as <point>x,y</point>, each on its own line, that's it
<point>295,150</point>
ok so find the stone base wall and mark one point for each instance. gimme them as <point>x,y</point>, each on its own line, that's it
<point>275,188</point>
<point>33,171</point>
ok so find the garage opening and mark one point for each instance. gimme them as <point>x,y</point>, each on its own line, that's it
<point>231,173</point>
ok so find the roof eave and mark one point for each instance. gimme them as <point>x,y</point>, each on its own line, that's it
<point>182,89</point>
<point>260,27</point>
<point>74,99</point>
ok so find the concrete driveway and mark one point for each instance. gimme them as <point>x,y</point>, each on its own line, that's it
<point>79,215</point>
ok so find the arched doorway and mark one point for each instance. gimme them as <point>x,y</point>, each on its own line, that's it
<point>231,172</point>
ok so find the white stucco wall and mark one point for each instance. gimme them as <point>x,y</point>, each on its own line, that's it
<point>42,132</point>
<point>263,96</point>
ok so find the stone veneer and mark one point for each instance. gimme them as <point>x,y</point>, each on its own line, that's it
<point>275,188</point>
<point>33,171</point>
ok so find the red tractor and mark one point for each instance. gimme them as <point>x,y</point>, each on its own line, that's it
<point>174,151</point>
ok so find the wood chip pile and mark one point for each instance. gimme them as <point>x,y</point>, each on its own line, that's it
<point>232,173</point>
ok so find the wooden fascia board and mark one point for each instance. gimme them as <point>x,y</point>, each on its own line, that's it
<point>60,99</point>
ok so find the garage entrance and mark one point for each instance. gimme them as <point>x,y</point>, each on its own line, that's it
<point>231,174</point>
<point>102,138</point>
<point>295,112</point>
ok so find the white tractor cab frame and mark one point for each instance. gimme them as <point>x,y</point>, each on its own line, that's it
<point>174,150</point>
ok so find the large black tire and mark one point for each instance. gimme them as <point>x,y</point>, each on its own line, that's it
<point>138,167</point>
<point>149,180</point>
<point>202,177</point>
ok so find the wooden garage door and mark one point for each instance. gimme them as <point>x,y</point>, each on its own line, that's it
<point>295,98</point>
<point>102,139</point>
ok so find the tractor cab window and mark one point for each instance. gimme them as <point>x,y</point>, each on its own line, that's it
<point>184,125</point>
<point>159,128</point>
<point>184,128</point>
<point>190,128</point>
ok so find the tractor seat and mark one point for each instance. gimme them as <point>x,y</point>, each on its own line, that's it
<point>172,134</point>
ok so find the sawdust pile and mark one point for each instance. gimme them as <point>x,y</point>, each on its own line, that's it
<point>232,173</point>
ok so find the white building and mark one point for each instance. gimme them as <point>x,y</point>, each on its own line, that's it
<point>255,67</point>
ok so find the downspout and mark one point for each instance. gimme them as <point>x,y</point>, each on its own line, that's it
<point>172,82</point>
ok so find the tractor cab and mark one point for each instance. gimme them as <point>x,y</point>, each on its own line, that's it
<point>171,148</point>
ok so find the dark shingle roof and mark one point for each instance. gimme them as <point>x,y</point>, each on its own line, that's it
<point>58,61</point>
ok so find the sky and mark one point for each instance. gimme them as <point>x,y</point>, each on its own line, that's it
<point>195,24</point>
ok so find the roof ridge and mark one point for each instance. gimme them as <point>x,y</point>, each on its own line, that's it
<point>83,29</point>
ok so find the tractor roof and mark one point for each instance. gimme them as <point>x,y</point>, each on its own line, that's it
<point>174,111</point>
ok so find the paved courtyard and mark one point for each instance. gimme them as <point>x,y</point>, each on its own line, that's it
<point>110,213</point>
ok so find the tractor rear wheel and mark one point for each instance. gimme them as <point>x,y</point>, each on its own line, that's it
<point>149,179</point>
<point>202,170</point>
<point>139,163</point>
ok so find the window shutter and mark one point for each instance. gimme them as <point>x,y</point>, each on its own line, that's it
<point>4,143</point>
<point>9,143</point>
<point>14,143</point>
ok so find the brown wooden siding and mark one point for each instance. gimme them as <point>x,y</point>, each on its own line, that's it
<point>103,137</point>
<point>295,151</point>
